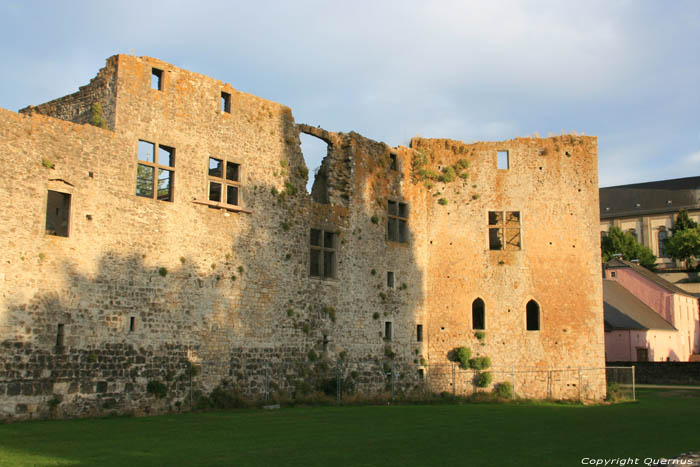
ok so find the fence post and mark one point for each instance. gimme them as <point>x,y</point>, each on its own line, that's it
<point>580,379</point>
<point>634,389</point>
<point>337,380</point>
<point>454,386</point>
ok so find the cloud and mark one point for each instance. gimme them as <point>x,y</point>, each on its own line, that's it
<point>625,71</point>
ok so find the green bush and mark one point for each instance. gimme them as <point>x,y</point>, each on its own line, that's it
<point>448,175</point>
<point>484,379</point>
<point>312,355</point>
<point>163,272</point>
<point>481,335</point>
<point>480,363</point>
<point>157,388</point>
<point>462,356</point>
<point>442,201</point>
<point>374,219</point>
<point>503,390</point>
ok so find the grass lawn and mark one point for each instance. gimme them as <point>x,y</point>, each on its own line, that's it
<point>662,423</point>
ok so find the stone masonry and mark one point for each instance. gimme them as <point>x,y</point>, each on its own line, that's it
<point>195,290</point>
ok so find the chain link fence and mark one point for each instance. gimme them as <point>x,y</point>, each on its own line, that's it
<point>347,380</point>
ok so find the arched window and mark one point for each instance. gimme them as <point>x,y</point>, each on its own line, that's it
<point>663,235</point>
<point>533,316</point>
<point>478,318</point>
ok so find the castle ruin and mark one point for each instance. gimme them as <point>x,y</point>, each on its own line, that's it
<point>156,227</point>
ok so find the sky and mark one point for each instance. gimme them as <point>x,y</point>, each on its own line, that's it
<point>627,72</point>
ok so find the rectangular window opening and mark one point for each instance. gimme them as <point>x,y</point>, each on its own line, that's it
<point>132,324</point>
<point>224,186</point>
<point>419,333</point>
<point>397,222</point>
<point>387,330</point>
<point>225,102</point>
<point>59,336</point>
<point>503,162</point>
<point>322,254</point>
<point>390,279</point>
<point>394,162</point>
<point>504,230</point>
<point>57,213</point>
<point>156,79</point>
<point>155,174</point>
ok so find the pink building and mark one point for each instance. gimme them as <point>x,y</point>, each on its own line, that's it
<point>647,318</point>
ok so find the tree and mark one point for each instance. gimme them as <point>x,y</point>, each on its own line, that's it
<point>683,222</point>
<point>684,242</point>
<point>624,243</point>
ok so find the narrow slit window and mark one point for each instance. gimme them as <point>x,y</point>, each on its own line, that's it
<point>478,314</point>
<point>419,333</point>
<point>57,213</point>
<point>394,162</point>
<point>390,279</point>
<point>60,335</point>
<point>387,330</point>
<point>503,160</point>
<point>132,324</point>
<point>533,316</point>
<point>156,79</point>
<point>225,102</point>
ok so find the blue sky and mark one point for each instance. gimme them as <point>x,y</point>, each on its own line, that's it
<point>625,71</point>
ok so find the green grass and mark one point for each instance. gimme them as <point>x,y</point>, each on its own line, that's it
<point>662,423</point>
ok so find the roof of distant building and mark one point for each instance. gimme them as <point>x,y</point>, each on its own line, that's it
<point>650,197</point>
<point>617,263</point>
<point>623,311</point>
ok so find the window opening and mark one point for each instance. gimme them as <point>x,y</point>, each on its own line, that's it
<point>504,230</point>
<point>325,343</point>
<point>478,314</point>
<point>322,254</point>
<point>224,181</point>
<point>390,279</point>
<point>57,213</point>
<point>397,219</point>
<point>155,159</point>
<point>225,102</point>
<point>156,79</point>
<point>387,330</point>
<point>132,324</point>
<point>419,333</point>
<point>662,236</point>
<point>421,373</point>
<point>613,274</point>
<point>59,336</point>
<point>503,162</point>
<point>394,162</point>
<point>533,316</point>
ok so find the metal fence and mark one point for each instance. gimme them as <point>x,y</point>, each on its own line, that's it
<point>344,378</point>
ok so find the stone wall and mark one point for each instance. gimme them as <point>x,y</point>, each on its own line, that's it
<point>190,282</point>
